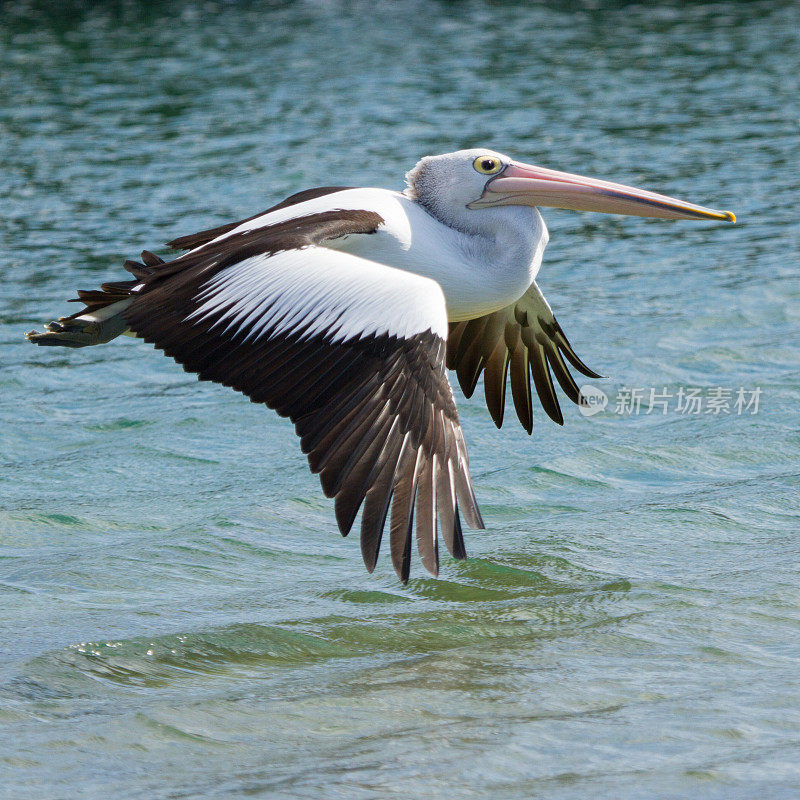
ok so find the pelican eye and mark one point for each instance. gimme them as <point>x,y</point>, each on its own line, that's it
<point>487,165</point>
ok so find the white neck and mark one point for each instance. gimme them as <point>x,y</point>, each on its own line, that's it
<point>502,251</point>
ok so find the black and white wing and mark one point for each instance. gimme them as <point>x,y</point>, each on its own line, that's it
<point>351,350</point>
<point>526,340</point>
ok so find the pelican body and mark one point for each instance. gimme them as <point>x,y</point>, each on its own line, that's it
<point>343,308</point>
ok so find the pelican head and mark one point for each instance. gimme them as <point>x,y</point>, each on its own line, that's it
<point>483,179</point>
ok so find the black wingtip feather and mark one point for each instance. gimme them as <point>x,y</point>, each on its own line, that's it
<point>521,387</point>
<point>515,332</point>
<point>405,565</point>
<point>495,378</point>
<point>567,349</point>
<point>459,548</point>
<point>543,381</point>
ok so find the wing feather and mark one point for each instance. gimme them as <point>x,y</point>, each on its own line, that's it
<point>351,350</point>
<point>379,497</point>
<point>426,517</point>
<point>494,381</point>
<point>402,523</point>
<point>521,386</point>
<point>204,237</point>
<point>524,340</point>
<point>446,506</point>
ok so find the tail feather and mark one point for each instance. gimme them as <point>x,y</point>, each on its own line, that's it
<point>95,299</point>
<point>66,332</point>
<point>100,322</point>
<point>101,319</point>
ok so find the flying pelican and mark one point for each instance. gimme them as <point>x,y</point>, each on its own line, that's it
<point>343,308</point>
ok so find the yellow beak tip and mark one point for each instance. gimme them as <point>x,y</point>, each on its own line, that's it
<point>730,216</point>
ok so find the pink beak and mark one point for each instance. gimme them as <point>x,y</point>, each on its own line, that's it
<point>528,185</point>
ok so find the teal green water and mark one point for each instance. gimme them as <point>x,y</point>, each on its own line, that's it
<point>179,617</point>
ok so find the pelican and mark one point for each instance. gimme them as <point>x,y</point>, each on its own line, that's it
<point>343,308</point>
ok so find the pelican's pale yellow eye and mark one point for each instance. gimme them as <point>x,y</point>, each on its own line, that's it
<point>487,165</point>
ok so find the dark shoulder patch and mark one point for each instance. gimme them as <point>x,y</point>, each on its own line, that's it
<point>291,234</point>
<point>192,240</point>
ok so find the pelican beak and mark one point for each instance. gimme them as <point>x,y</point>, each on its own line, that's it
<point>528,185</point>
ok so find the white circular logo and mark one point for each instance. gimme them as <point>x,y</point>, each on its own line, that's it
<point>592,400</point>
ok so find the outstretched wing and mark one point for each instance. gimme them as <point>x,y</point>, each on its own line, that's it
<point>351,350</point>
<point>525,339</point>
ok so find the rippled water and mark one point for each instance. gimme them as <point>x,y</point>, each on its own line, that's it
<point>179,617</point>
